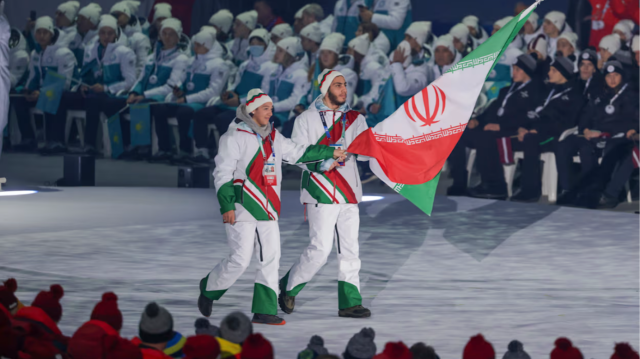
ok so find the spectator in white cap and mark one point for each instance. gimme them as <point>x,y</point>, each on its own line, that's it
<point>242,27</point>
<point>297,20</point>
<point>48,56</point>
<point>624,30</point>
<point>531,29</point>
<point>609,45</point>
<point>392,17</point>
<point>206,78</point>
<point>635,47</point>
<point>222,21</point>
<point>553,26</point>
<point>518,41</point>
<point>130,25</point>
<point>538,48</point>
<point>86,29</point>
<point>378,39</point>
<point>460,34</point>
<point>288,84</point>
<point>313,13</point>
<point>109,66</point>
<point>477,33</point>
<point>371,73</point>
<point>408,66</point>
<point>161,11</point>
<point>445,56</point>
<point>311,38</point>
<point>280,31</point>
<point>250,75</point>
<point>66,20</point>
<point>567,47</point>
<point>219,48</point>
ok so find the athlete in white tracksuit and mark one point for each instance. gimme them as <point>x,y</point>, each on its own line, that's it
<point>331,195</point>
<point>247,178</point>
<point>138,41</point>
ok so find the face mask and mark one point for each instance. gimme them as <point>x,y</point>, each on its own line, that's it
<point>256,50</point>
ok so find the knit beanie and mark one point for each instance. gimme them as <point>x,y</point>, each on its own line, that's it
<point>333,42</point>
<point>460,32</point>
<point>625,28</point>
<point>45,22</point>
<point>314,349</point>
<point>470,21</point>
<point>7,294</point>
<point>91,12</point>
<point>564,349</point>
<point>256,347</point>
<point>122,7</point>
<point>49,302</point>
<point>203,326</point>
<point>590,55</point>
<point>292,46</point>
<point>172,23</point>
<point>533,20</point>
<point>502,22</point>
<point>261,34</point>
<point>624,351</point>
<point>206,38</point>
<point>610,43</point>
<point>423,351</point>
<point>312,32</point>
<point>556,18</point>
<point>249,18</point>
<point>236,327</point>
<point>527,64</point>
<point>515,351</point>
<point>362,345</point>
<point>298,14</point>
<point>256,98</point>
<point>156,324</point>
<point>565,66</point>
<point>108,21</point>
<point>478,348</point>
<point>571,37</point>
<point>445,41</point>
<point>107,311</point>
<point>133,6</point>
<point>69,9</point>
<point>201,347</point>
<point>539,44</point>
<point>360,44</point>
<point>282,30</point>
<point>613,66</point>
<point>223,19</point>
<point>419,30</point>
<point>162,10</point>
<point>326,78</point>
<point>87,341</point>
<point>395,351</point>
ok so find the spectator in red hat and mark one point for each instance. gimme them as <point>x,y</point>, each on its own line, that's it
<point>565,350</point>
<point>395,351</point>
<point>256,347</point>
<point>97,339</point>
<point>39,347</point>
<point>7,296</point>
<point>8,342</point>
<point>49,302</point>
<point>108,312</point>
<point>479,348</point>
<point>201,347</point>
<point>34,322</point>
<point>624,351</point>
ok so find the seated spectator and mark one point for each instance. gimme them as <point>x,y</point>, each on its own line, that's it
<point>567,47</point>
<point>107,311</point>
<point>539,47</point>
<point>531,29</point>
<point>358,48</point>
<point>610,120</point>
<point>256,347</point>
<point>476,33</point>
<point>518,41</point>
<point>314,349</point>
<point>311,38</point>
<point>500,76</point>
<point>222,21</point>
<point>266,14</point>
<point>313,13</point>
<point>461,40</point>
<point>346,18</point>
<point>8,339</point>
<point>298,24</point>
<point>395,351</point>
<point>392,17</point>
<point>66,22</point>
<point>609,45</point>
<point>553,26</point>
<point>161,12</point>
<point>242,27</point>
<point>624,29</point>
<point>124,12</point>
<point>280,31</point>
<point>201,347</point>
<point>235,328</point>
<point>8,298</point>
<point>591,79</point>
<point>206,77</point>
<point>97,339</point>
<point>624,350</point>
<point>86,30</point>
<point>500,120</point>
<point>478,348</point>
<point>445,57</point>
<point>361,345</point>
<point>155,331</point>
<point>423,351</point>
<point>376,37</point>
<point>515,350</point>
<point>409,69</point>
<point>18,61</point>
<point>59,59</point>
<point>564,349</point>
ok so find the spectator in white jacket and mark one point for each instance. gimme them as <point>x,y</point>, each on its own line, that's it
<point>313,13</point>
<point>65,22</point>
<point>553,26</point>
<point>242,27</point>
<point>392,17</point>
<point>445,56</point>
<point>461,39</point>
<point>280,32</point>
<point>378,39</point>
<point>477,34</point>
<point>130,25</point>
<point>531,29</point>
<point>222,21</point>
<point>371,71</point>
<point>311,38</point>
<point>86,30</point>
<point>408,67</point>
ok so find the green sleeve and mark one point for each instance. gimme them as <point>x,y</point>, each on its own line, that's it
<point>227,197</point>
<point>316,153</point>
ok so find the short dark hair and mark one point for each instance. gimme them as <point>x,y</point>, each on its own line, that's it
<point>371,28</point>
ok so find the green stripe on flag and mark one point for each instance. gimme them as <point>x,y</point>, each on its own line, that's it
<point>422,195</point>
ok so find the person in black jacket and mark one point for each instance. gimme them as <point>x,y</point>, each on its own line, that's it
<point>501,119</point>
<point>609,121</point>
<point>591,80</point>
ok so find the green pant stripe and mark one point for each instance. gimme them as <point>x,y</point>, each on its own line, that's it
<point>265,300</point>
<point>211,294</point>
<point>348,295</point>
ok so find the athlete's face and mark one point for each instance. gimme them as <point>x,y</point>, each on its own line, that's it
<point>263,113</point>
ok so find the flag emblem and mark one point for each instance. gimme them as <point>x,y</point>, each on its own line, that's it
<point>430,117</point>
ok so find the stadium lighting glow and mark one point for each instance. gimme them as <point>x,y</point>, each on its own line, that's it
<point>371,198</point>
<point>16,193</point>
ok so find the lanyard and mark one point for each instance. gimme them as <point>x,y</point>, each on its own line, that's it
<point>326,129</point>
<point>586,86</point>
<point>511,91</point>
<point>161,57</point>
<point>549,98</point>
<point>273,150</point>
<point>604,11</point>
<point>618,94</point>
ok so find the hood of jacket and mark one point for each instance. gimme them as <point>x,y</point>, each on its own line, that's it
<point>242,114</point>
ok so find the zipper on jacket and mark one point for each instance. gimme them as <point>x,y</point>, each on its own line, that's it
<point>338,239</point>
<point>242,193</point>
<point>260,244</point>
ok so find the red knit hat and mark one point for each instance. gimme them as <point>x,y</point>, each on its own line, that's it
<point>7,297</point>
<point>50,302</point>
<point>107,311</point>
<point>119,348</point>
<point>256,347</point>
<point>87,341</point>
<point>624,351</point>
<point>478,348</point>
<point>201,347</point>
<point>395,351</point>
<point>565,350</point>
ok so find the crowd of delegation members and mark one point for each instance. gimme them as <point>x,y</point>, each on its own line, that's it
<point>543,86</point>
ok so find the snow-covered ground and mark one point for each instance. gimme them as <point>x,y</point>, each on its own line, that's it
<point>510,271</point>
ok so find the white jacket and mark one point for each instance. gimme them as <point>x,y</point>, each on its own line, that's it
<point>238,173</point>
<point>238,48</point>
<point>54,57</point>
<point>287,87</point>
<point>18,61</point>
<point>377,75</point>
<point>116,70</point>
<point>341,185</point>
<point>382,43</point>
<point>346,18</point>
<point>252,74</point>
<point>438,71</point>
<point>67,35</point>
<point>139,43</point>
<point>164,70</point>
<point>407,82</point>
<point>206,78</point>
<point>80,43</point>
<point>396,11</point>
<point>220,50</point>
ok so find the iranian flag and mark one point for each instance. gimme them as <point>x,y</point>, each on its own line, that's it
<point>409,148</point>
